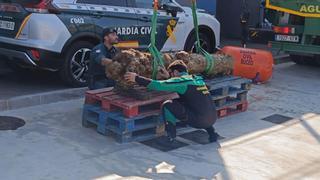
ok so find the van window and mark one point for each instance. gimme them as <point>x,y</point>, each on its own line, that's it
<point>184,2</point>
<point>144,4</point>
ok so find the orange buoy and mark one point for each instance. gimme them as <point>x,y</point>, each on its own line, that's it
<point>251,63</point>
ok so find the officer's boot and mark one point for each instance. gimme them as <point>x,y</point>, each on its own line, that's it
<point>171,131</point>
<point>213,136</point>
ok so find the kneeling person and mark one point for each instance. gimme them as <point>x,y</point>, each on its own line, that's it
<point>194,105</point>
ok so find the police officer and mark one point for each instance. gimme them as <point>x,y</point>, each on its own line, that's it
<point>100,57</point>
<point>244,20</point>
<point>194,107</point>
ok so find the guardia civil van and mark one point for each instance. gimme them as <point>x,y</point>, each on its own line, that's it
<point>58,35</point>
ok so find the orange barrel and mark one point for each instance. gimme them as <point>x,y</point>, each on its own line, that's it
<point>251,63</point>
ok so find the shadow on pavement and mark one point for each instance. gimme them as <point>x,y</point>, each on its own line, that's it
<point>15,84</point>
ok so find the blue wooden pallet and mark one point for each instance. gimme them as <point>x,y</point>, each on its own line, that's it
<point>138,136</point>
<point>94,116</point>
<point>227,92</point>
<point>120,125</point>
<point>115,122</point>
<point>221,87</point>
<point>228,81</point>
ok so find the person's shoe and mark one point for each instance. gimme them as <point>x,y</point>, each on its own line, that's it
<point>171,130</point>
<point>214,137</point>
<point>171,140</point>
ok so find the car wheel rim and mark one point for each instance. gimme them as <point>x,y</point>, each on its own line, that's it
<point>203,44</point>
<point>80,64</point>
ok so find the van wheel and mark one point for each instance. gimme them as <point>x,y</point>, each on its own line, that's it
<point>76,65</point>
<point>205,43</point>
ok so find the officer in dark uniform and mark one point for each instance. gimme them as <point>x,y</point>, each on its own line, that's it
<point>244,21</point>
<point>194,107</point>
<point>100,57</point>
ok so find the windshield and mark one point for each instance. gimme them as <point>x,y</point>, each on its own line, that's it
<point>184,2</point>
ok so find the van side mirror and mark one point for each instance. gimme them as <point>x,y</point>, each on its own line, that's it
<point>172,8</point>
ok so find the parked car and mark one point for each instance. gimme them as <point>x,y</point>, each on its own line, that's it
<point>58,35</point>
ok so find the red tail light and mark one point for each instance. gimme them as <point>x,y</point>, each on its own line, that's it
<point>35,54</point>
<point>283,30</point>
<point>44,6</point>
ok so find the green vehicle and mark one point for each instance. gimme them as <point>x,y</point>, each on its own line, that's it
<point>297,28</point>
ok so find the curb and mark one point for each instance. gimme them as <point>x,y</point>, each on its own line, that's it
<point>42,98</point>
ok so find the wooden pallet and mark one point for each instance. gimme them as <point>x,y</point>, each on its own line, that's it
<point>123,129</point>
<point>227,91</point>
<point>94,96</point>
<point>121,125</point>
<point>228,85</point>
<point>232,108</point>
<point>138,92</point>
<point>104,121</point>
<point>130,107</point>
<point>140,135</point>
<point>93,116</point>
<point>129,119</point>
<point>221,101</point>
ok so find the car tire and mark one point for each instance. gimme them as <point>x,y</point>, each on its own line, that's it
<point>205,42</point>
<point>76,64</point>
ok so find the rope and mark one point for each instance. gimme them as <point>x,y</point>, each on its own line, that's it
<point>157,57</point>
<point>199,49</point>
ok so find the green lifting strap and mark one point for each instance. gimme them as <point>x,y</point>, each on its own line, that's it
<point>199,49</point>
<point>157,56</point>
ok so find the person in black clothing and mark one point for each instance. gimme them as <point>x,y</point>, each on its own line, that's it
<point>100,57</point>
<point>194,107</point>
<point>244,22</point>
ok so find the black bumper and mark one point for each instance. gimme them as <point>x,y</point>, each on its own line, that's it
<point>17,57</point>
<point>22,56</point>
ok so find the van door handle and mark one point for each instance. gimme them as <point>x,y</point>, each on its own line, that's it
<point>98,13</point>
